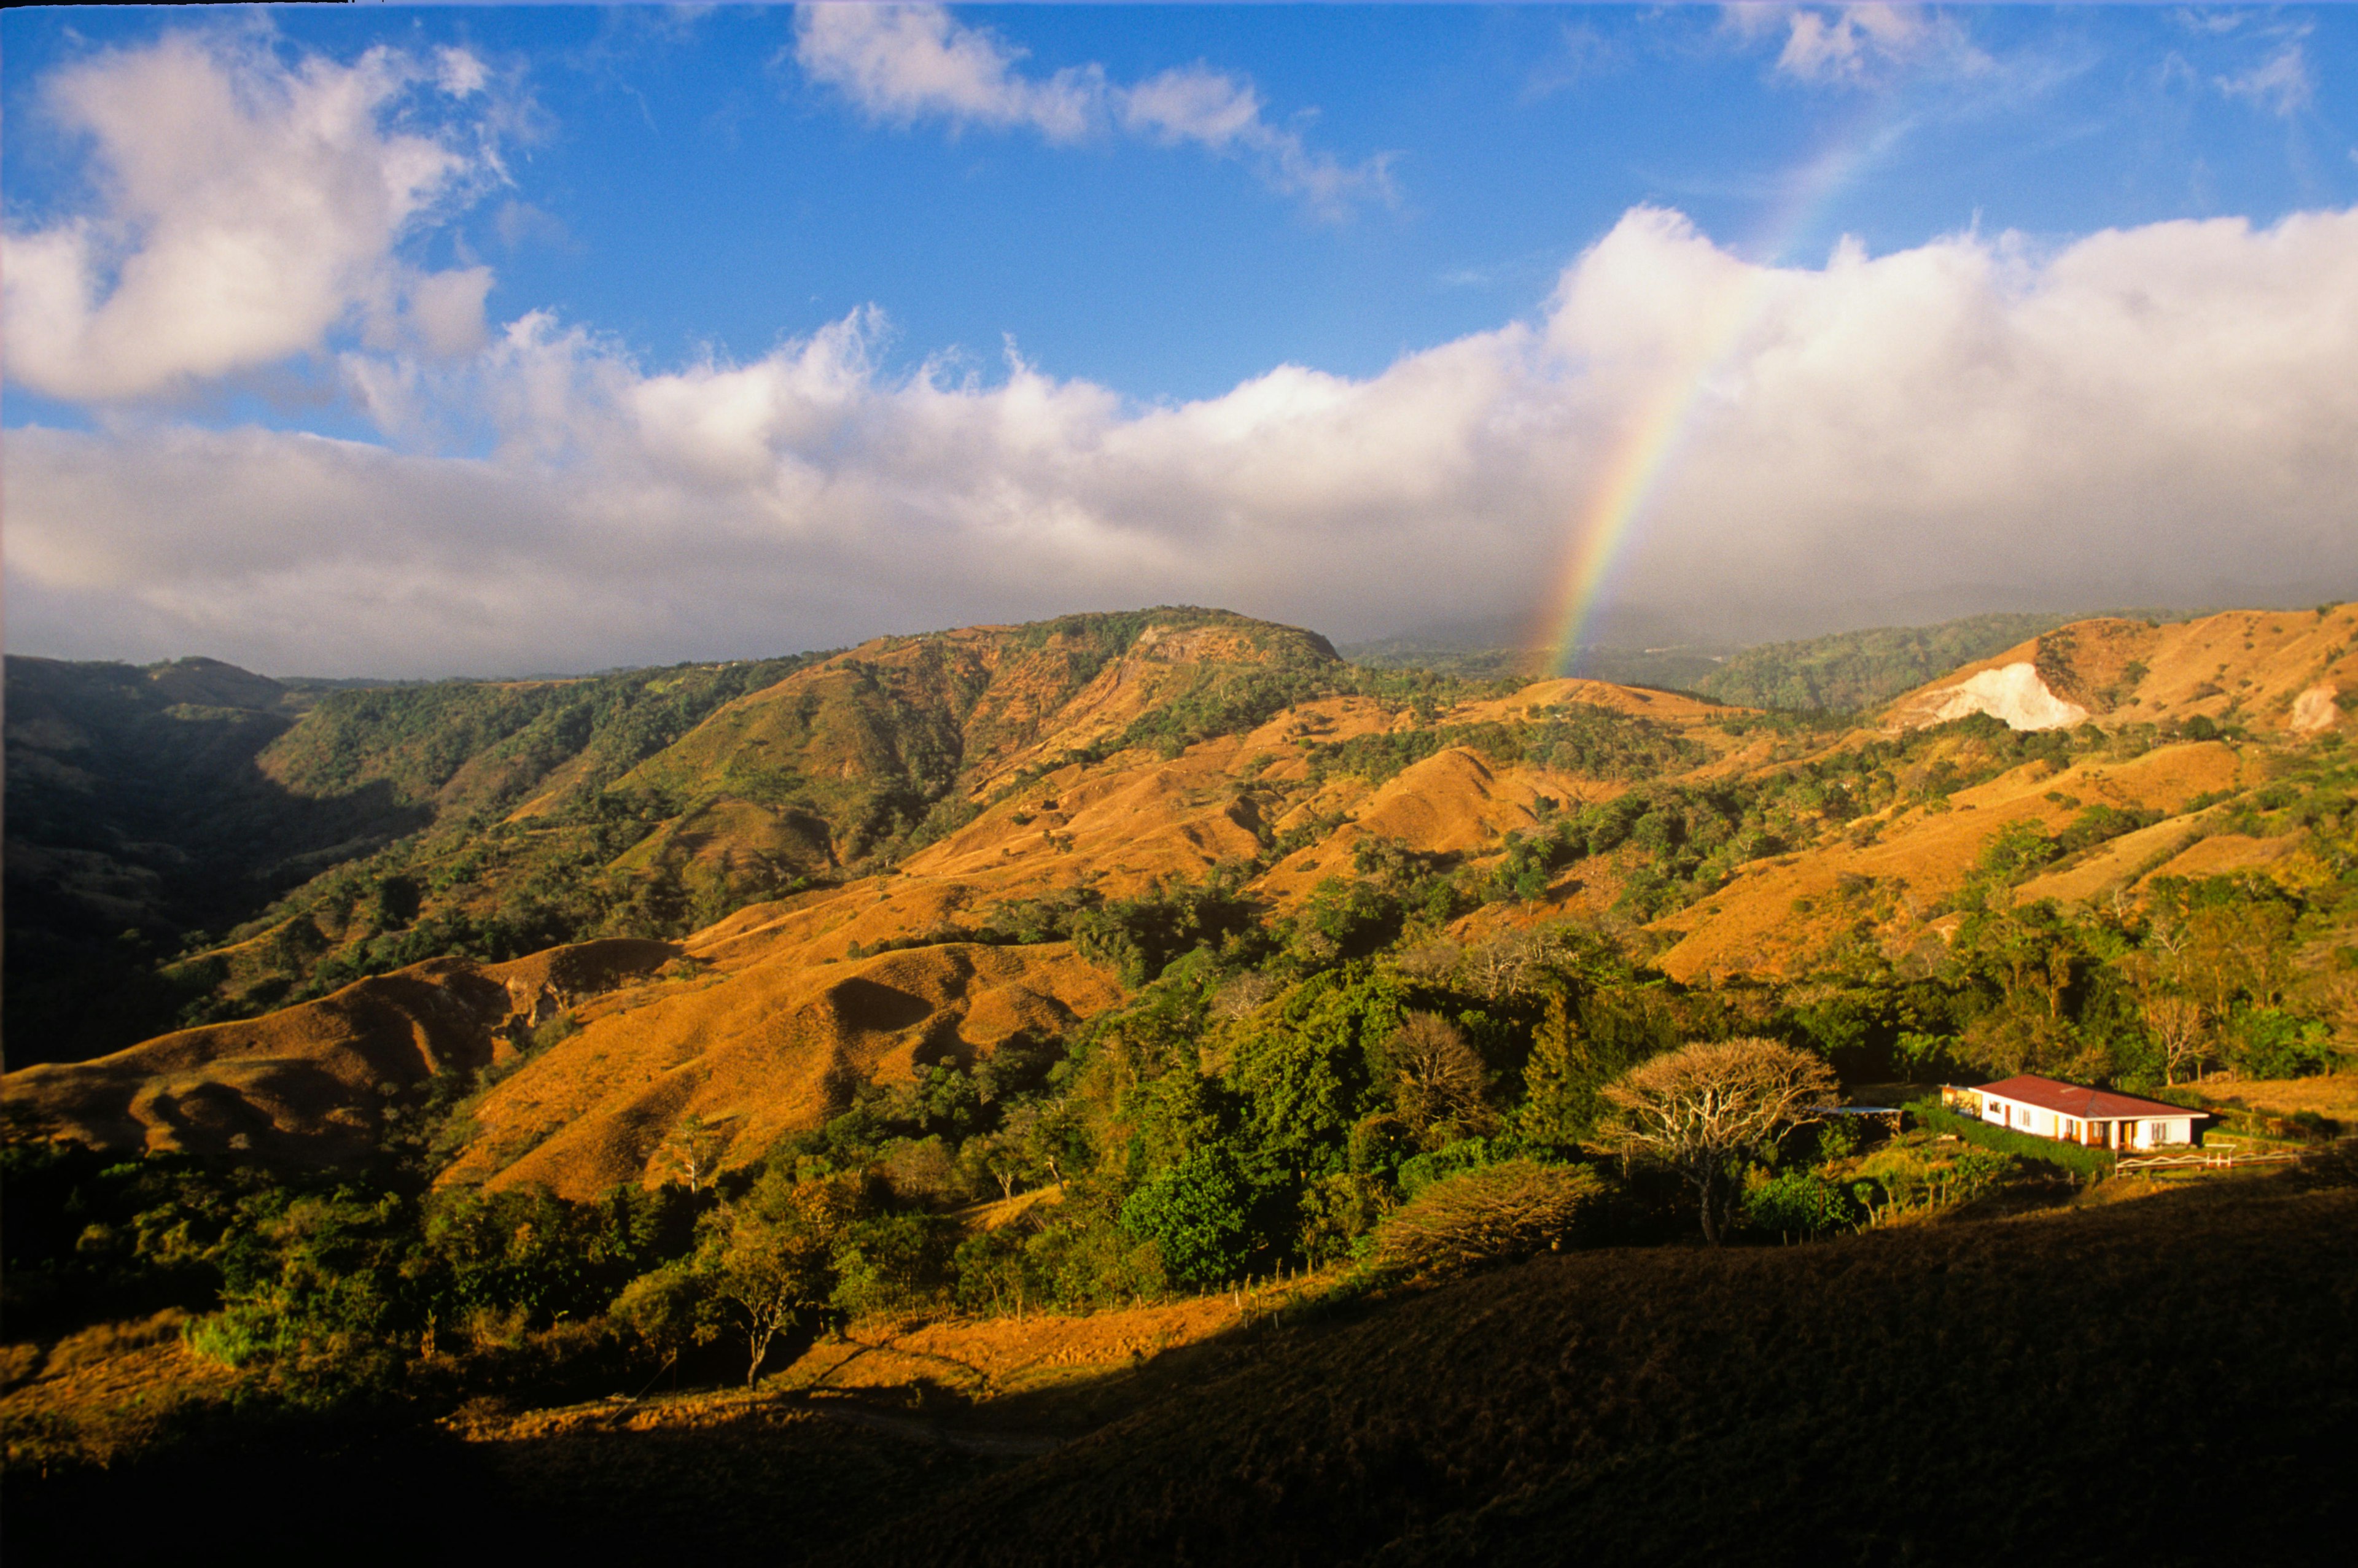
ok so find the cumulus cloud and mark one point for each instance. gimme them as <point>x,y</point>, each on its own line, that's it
<point>247,212</point>
<point>2157,414</point>
<point>903,64</point>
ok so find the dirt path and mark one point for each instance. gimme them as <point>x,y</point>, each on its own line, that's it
<point>990,1445</point>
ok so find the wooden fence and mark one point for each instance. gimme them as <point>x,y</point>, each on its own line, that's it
<point>2209,1160</point>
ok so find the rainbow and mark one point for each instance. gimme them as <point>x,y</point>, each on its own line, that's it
<point>1663,416</point>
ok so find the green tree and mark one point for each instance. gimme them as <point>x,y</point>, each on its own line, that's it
<point>769,1256</point>
<point>1198,1213</point>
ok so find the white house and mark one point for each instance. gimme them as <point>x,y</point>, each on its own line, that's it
<point>2099,1118</point>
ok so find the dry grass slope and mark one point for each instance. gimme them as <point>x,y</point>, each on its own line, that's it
<point>771,1017</point>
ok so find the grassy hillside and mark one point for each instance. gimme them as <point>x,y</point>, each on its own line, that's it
<point>1132,795</point>
<point>150,811</point>
<point>653,802</point>
<point>1090,967</point>
<point>2033,1387</point>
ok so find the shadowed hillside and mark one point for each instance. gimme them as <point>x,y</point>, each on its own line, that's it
<point>2139,1382</point>
<point>137,815</point>
<point>149,809</point>
<point>2146,1379</point>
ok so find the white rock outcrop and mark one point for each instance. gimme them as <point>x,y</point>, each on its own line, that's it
<point>2013,694</point>
<point>2314,710</point>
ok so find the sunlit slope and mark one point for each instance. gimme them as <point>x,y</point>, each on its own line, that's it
<point>788,1020</point>
<point>1892,876</point>
<point>310,1084</point>
<point>1084,763</point>
<point>655,801</point>
<point>2268,671</point>
<point>2263,680</point>
<point>766,1048</point>
<point>782,1017</point>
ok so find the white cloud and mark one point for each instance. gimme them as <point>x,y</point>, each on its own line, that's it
<point>2154,414</point>
<point>248,211</point>
<point>2281,84</point>
<point>1855,42</point>
<point>902,64</point>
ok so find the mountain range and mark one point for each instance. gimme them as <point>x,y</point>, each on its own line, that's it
<point>726,897</point>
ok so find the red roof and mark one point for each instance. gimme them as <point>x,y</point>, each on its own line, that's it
<point>2088,1105</point>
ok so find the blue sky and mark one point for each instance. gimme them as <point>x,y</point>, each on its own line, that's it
<point>781,259</point>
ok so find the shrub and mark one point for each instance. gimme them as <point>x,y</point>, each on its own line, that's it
<point>1494,1215</point>
<point>1451,1160</point>
<point>2075,1158</point>
<point>2273,1045</point>
<point>1800,1203</point>
<point>1922,1179</point>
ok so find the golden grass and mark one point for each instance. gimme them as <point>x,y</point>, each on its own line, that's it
<point>2334,1094</point>
<point>769,1049</point>
<point>1753,924</point>
<point>2249,666</point>
<point>301,1084</point>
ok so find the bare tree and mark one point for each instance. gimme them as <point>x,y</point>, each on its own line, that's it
<point>1437,1078</point>
<point>1244,995</point>
<point>1512,962</point>
<point>1695,1110</point>
<point>694,1149</point>
<point>2176,1024</point>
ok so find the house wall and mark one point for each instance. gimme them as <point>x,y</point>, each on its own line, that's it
<point>2152,1132</point>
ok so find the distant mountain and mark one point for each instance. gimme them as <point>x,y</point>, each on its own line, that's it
<point>1852,671</point>
<point>1845,672</point>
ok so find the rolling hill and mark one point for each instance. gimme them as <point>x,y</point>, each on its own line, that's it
<point>884,858</point>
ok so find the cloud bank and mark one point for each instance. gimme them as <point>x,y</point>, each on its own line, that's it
<point>2161,415</point>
